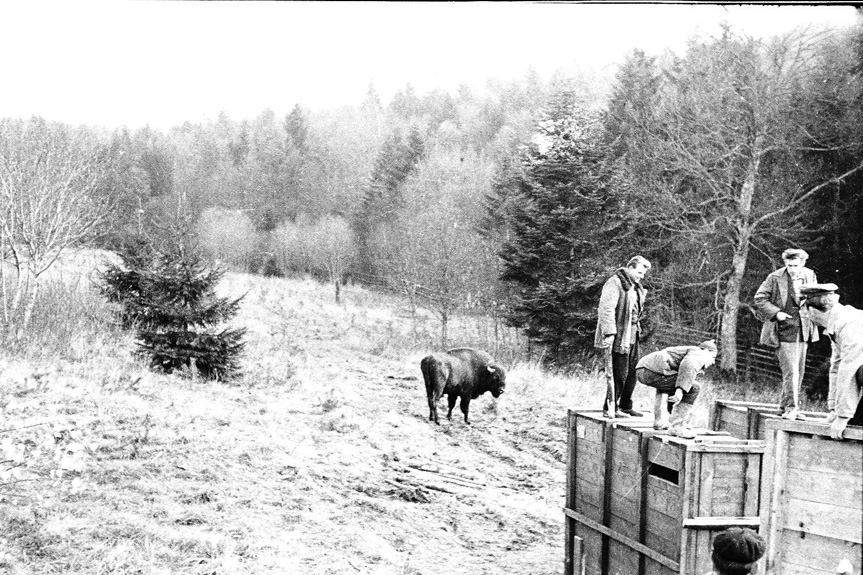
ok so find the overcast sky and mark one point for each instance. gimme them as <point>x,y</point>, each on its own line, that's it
<point>161,63</point>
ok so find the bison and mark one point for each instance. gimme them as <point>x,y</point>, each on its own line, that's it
<point>460,373</point>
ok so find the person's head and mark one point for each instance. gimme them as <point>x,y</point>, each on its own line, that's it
<point>736,550</point>
<point>819,299</point>
<point>709,347</point>
<point>637,268</point>
<point>795,260</point>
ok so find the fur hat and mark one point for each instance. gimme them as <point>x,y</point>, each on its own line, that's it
<point>736,550</point>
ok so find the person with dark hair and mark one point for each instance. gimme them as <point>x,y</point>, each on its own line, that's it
<point>618,328</point>
<point>672,372</point>
<point>843,324</point>
<point>785,328</point>
<point>735,551</point>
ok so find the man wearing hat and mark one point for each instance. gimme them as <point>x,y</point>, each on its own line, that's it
<point>843,324</point>
<point>785,328</point>
<point>672,371</point>
<point>735,551</point>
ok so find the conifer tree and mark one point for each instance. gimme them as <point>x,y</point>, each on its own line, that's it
<point>168,295</point>
<point>564,228</point>
<point>397,159</point>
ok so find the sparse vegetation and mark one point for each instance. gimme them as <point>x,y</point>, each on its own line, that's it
<point>319,459</point>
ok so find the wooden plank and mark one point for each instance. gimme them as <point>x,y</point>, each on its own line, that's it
<point>737,402</point>
<point>575,555</point>
<point>689,505</point>
<point>573,545</point>
<point>606,484</point>
<point>702,491</point>
<point>642,499</point>
<point>652,567</point>
<point>824,454</point>
<point>588,463</point>
<point>589,498</point>
<point>592,547</point>
<point>721,522</point>
<point>752,478</point>
<point>625,540</point>
<point>622,558</point>
<point>819,553</point>
<point>662,452</point>
<point>727,496</point>
<point>852,433</point>
<point>819,486</point>
<point>663,533</point>
<point>731,467</point>
<point>773,511</point>
<point>808,517</point>
<point>663,496</point>
<point>625,525</point>
<point>742,446</point>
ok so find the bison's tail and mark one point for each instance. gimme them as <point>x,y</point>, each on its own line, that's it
<point>435,374</point>
<point>426,367</point>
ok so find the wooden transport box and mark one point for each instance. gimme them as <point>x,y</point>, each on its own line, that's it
<point>639,502</point>
<point>812,506</point>
<point>748,420</point>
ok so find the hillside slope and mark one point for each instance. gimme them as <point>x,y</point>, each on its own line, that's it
<point>319,460</point>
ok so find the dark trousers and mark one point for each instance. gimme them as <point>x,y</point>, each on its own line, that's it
<point>623,371</point>
<point>858,415</point>
<point>667,384</point>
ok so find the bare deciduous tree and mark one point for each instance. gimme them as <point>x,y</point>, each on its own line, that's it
<point>726,159</point>
<point>49,176</point>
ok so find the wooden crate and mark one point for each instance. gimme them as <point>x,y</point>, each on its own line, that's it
<point>812,512</point>
<point>639,502</point>
<point>747,420</point>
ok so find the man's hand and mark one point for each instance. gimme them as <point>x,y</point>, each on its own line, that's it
<point>608,341</point>
<point>782,316</point>
<point>837,428</point>
<point>832,417</point>
<point>678,395</point>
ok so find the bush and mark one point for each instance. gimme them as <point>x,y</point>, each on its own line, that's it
<point>228,236</point>
<point>169,297</point>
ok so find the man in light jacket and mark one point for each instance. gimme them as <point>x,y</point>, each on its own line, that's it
<point>785,327</point>
<point>621,305</point>
<point>672,372</point>
<point>843,324</point>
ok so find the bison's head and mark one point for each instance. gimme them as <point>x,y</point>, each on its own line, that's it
<point>496,380</point>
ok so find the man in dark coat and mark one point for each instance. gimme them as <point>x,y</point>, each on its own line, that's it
<point>618,327</point>
<point>785,328</point>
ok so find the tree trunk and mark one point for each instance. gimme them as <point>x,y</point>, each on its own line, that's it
<point>730,308</point>
<point>731,305</point>
<point>33,292</point>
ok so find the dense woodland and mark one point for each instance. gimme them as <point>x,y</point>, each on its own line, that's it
<point>516,203</point>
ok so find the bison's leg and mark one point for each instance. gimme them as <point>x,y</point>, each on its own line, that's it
<point>465,403</point>
<point>450,399</point>
<point>429,374</point>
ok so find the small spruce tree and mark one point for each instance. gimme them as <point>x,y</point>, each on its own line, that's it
<point>168,296</point>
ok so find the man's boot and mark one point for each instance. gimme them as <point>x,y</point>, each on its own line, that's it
<point>660,414</point>
<point>679,420</point>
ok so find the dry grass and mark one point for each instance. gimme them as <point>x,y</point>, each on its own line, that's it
<point>318,459</point>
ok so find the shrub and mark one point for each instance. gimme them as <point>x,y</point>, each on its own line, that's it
<point>169,296</point>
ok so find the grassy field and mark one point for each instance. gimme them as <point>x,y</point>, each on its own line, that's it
<point>318,459</point>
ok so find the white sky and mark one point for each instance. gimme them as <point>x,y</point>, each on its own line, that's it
<point>161,63</point>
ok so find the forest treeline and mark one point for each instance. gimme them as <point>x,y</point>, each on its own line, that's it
<point>517,203</point>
